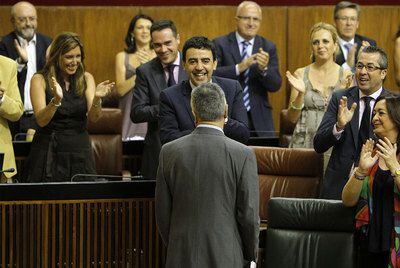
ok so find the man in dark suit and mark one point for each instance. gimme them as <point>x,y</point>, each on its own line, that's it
<point>252,60</point>
<point>207,192</point>
<point>28,49</point>
<point>347,16</point>
<point>342,126</point>
<point>176,118</point>
<point>151,78</point>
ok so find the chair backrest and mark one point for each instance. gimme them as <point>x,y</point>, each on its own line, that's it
<point>106,140</point>
<point>285,172</point>
<point>286,129</point>
<point>310,233</point>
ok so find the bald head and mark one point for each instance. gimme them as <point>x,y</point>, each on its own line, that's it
<point>246,4</point>
<point>24,19</point>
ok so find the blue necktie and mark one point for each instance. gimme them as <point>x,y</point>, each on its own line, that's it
<point>246,96</point>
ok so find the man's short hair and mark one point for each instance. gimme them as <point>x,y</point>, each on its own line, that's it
<point>208,102</point>
<point>163,24</point>
<point>383,61</point>
<point>199,42</point>
<point>345,4</point>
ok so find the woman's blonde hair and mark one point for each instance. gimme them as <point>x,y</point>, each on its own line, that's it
<point>330,28</point>
<point>62,44</point>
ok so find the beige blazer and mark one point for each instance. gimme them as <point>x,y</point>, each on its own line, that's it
<point>10,109</point>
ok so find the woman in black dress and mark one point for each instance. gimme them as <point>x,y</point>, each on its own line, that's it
<point>63,96</point>
<point>374,188</point>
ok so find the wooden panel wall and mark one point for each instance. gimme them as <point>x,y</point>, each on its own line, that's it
<point>80,233</point>
<point>103,29</point>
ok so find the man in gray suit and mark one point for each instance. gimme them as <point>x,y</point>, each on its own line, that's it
<point>151,78</point>
<point>207,193</point>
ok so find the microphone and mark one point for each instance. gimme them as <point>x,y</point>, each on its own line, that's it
<point>8,170</point>
<point>99,177</point>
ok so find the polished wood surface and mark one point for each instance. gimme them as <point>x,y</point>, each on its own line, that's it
<point>103,29</point>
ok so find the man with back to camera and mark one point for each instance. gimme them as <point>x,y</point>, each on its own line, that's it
<point>28,48</point>
<point>151,78</point>
<point>347,19</point>
<point>207,191</point>
<point>176,117</point>
<point>11,109</point>
<point>346,125</point>
<point>245,56</point>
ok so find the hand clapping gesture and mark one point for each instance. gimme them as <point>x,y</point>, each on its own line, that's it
<point>103,89</point>
<point>387,151</point>
<point>344,114</point>
<point>262,58</point>
<point>56,90</point>
<point>143,56</point>
<point>366,158</point>
<point>347,81</point>
<point>21,50</point>
<point>296,83</point>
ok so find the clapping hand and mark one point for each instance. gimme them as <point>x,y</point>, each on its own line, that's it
<point>347,81</point>
<point>56,89</point>
<point>296,83</point>
<point>262,58</point>
<point>366,158</point>
<point>387,151</point>
<point>21,50</point>
<point>364,44</point>
<point>104,88</point>
<point>351,56</point>
<point>344,114</point>
<point>144,56</point>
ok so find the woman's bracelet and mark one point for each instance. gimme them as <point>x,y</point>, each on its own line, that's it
<point>358,175</point>
<point>97,105</point>
<point>291,105</point>
<point>54,103</point>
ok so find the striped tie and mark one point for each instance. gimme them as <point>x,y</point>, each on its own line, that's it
<point>246,96</point>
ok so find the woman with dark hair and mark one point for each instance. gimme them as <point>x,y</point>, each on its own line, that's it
<point>138,51</point>
<point>374,187</point>
<point>397,58</point>
<point>63,97</point>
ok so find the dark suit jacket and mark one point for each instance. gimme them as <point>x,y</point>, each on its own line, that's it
<point>358,40</point>
<point>344,151</point>
<point>207,201</point>
<point>176,118</point>
<point>7,49</point>
<point>150,81</point>
<point>228,55</point>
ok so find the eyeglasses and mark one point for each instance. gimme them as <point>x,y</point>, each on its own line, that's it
<point>248,19</point>
<point>346,19</point>
<point>26,19</point>
<point>369,67</point>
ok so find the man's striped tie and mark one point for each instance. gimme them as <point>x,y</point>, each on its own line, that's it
<point>246,96</point>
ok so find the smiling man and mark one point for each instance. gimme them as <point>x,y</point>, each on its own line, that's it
<point>176,117</point>
<point>347,20</point>
<point>347,122</point>
<point>151,78</point>
<point>28,49</point>
<point>245,56</point>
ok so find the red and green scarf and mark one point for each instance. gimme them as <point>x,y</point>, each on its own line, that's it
<point>364,209</point>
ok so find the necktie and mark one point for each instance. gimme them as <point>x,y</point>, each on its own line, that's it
<point>171,80</point>
<point>347,46</point>
<point>246,96</point>
<point>365,126</point>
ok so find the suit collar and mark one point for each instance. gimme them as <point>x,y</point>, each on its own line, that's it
<point>207,130</point>
<point>233,47</point>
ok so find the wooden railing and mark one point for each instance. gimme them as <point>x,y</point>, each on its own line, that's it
<point>80,233</point>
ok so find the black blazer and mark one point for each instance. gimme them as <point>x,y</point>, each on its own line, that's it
<point>176,118</point>
<point>344,151</point>
<point>150,81</point>
<point>358,40</point>
<point>228,55</point>
<point>7,49</point>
